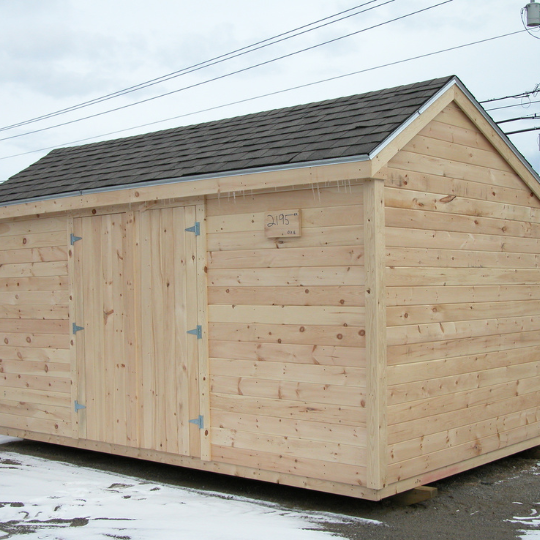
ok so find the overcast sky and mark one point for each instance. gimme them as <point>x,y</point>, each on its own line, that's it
<point>56,54</point>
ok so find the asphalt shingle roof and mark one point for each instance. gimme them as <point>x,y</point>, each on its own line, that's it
<point>337,128</point>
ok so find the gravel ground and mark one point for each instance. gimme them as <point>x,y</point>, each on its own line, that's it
<point>485,503</point>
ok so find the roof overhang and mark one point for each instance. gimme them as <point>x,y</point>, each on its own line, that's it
<point>289,176</point>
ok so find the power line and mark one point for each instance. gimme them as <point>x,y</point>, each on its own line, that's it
<point>207,63</point>
<point>523,130</point>
<point>523,94</point>
<point>269,94</point>
<point>530,117</point>
<point>229,74</point>
<point>515,104</point>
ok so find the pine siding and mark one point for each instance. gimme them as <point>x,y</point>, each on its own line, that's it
<point>35,370</point>
<point>287,334</point>
<point>463,300</point>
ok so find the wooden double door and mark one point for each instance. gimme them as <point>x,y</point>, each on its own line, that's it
<point>135,299</point>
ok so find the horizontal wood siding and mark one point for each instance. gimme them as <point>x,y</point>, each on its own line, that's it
<point>35,370</point>
<point>463,316</point>
<point>287,335</point>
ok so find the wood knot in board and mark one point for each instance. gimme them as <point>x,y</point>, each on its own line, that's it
<point>448,199</point>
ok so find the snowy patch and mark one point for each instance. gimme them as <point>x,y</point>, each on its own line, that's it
<point>5,439</point>
<point>49,500</point>
<point>532,522</point>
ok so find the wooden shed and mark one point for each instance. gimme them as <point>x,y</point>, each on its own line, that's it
<point>342,296</point>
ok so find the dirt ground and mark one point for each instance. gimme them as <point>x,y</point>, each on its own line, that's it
<point>479,504</point>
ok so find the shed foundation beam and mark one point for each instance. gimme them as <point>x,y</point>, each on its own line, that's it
<point>416,495</point>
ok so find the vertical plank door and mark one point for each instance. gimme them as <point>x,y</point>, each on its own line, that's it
<point>106,361</point>
<point>169,386</point>
<point>137,295</point>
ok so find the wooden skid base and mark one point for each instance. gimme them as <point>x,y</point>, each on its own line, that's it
<point>415,496</point>
<point>335,488</point>
<point>325,486</point>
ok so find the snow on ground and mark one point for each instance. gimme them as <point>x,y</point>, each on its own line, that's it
<point>43,499</point>
<point>4,439</point>
<point>532,522</point>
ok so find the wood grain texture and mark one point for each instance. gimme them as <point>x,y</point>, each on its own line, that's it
<point>374,226</point>
<point>35,371</point>
<point>288,353</point>
<point>139,385</point>
<point>318,295</point>
<point>287,326</point>
<point>462,272</point>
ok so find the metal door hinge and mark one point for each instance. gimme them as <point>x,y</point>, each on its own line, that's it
<point>78,406</point>
<point>195,229</point>
<point>77,328</point>
<point>74,238</point>
<point>196,331</point>
<point>198,421</point>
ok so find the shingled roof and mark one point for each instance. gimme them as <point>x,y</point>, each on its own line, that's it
<point>328,130</point>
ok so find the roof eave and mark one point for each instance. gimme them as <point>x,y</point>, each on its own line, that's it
<point>186,179</point>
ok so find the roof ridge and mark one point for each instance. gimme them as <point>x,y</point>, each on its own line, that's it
<point>254,115</point>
